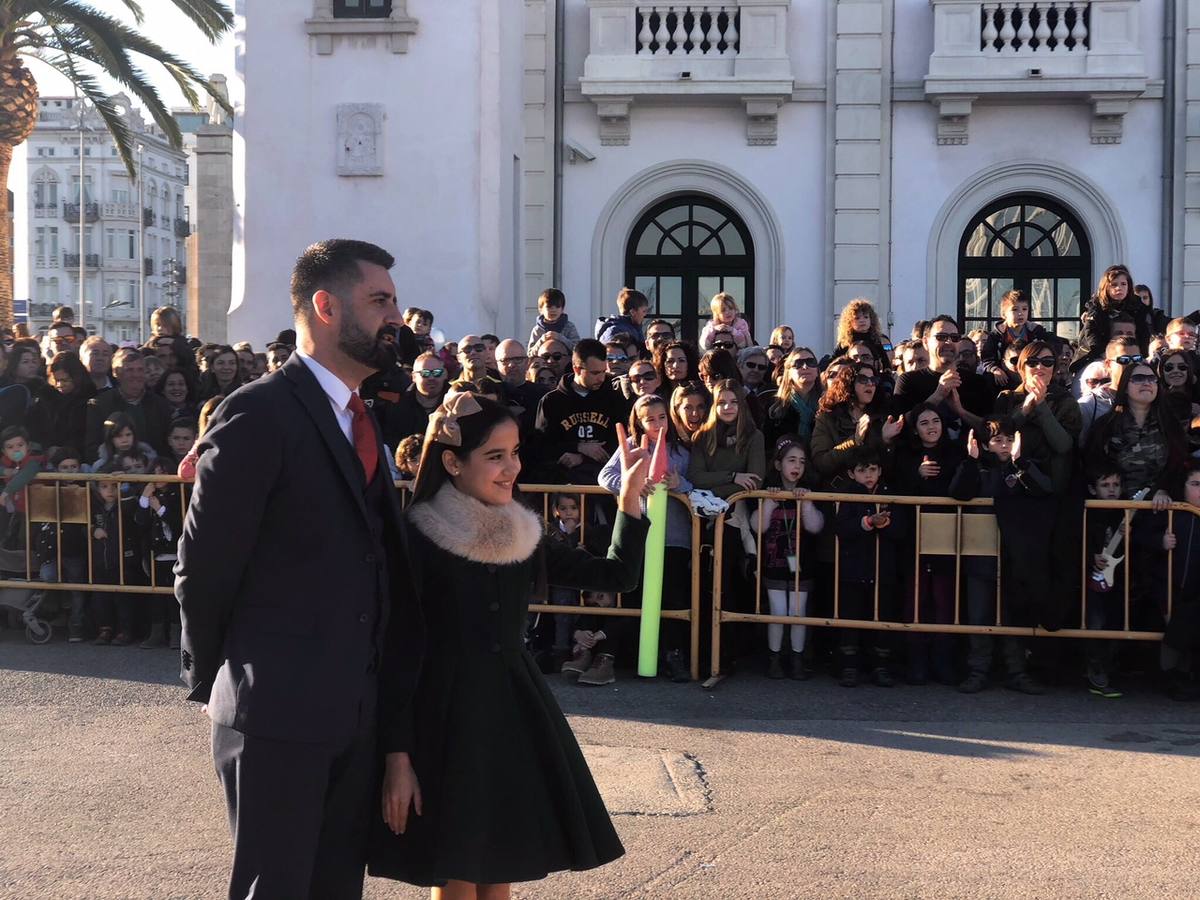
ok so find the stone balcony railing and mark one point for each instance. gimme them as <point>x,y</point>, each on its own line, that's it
<point>120,211</point>
<point>1022,49</point>
<point>695,52</point>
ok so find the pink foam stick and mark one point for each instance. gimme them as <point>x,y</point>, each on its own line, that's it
<point>659,464</point>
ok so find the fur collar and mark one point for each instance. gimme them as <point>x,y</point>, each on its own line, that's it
<point>468,528</point>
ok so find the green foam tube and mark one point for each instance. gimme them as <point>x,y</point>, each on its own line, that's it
<point>652,582</point>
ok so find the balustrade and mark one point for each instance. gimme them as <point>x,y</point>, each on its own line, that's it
<point>1035,27</point>
<point>686,29</point>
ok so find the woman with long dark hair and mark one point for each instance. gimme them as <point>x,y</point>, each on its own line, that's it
<point>850,414</point>
<point>677,363</point>
<point>178,388</point>
<point>690,403</point>
<point>58,418</point>
<point>1141,437</point>
<point>475,743</point>
<point>223,375</point>
<point>794,408</point>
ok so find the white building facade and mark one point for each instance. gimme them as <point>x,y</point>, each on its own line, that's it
<point>49,205</point>
<point>926,154</point>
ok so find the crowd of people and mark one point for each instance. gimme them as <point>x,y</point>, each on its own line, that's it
<point>1032,419</point>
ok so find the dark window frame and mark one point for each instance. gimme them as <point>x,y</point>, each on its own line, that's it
<point>342,10</point>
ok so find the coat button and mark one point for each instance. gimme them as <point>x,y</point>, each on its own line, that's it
<point>491,569</point>
<point>363,618</point>
<point>495,648</point>
<point>494,606</point>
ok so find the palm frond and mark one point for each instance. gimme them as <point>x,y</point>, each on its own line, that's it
<point>212,17</point>
<point>122,134</point>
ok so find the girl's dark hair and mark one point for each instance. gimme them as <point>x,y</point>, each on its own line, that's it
<point>680,395</point>
<point>114,425</point>
<point>19,348</point>
<point>785,443</point>
<point>910,424</point>
<point>69,362</point>
<point>689,352</point>
<point>635,424</point>
<point>841,389</point>
<point>719,365</point>
<point>475,430</point>
<point>1111,274</point>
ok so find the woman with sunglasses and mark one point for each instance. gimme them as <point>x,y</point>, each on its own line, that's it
<point>677,363</point>
<point>849,415</point>
<point>642,380</point>
<point>1141,436</point>
<point>794,408</point>
<point>1045,413</point>
<point>1177,375</point>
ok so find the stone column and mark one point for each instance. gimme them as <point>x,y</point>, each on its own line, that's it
<point>210,247</point>
<point>858,165</point>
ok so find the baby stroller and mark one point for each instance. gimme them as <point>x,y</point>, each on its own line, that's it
<point>13,568</point>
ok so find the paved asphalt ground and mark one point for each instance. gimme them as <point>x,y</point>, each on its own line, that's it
<point>757,789</point>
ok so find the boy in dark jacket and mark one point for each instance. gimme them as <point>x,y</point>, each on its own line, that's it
<point>159,517</point>
<point>1013,327</point>
<point>1024,510</point>
<point>115,544</point>
<point>633,306</point>
<point>868,533</point>
<point>1105,590</point>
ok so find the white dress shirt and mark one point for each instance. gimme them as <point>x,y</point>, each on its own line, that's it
<point>335,389</point>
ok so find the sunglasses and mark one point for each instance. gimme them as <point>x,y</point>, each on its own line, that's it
<point>758,367</point>
<point>1012,361</point>
<point>1143,378</point>
<point>722,345</point>
<point>645,376</point>
<point>944,336</point>
<point>1175,367</point>
<point>472,348</point>
<point>804,363</point>
<point>1096,382</point>
<point>431,373</point>
<point>1046,362</point>
<point>553,357</point>
<point>1126,360</point>
<point>866,379</point>
<point>616,358</point>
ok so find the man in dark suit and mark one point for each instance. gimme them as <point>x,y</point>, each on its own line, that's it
<point>286,579</point>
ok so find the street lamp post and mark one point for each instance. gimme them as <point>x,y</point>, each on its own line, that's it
<point>82,261</point>
<point>141,260</point>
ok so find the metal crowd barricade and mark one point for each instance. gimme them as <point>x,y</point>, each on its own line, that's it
<point>940,529</point>
<point>690,615</point>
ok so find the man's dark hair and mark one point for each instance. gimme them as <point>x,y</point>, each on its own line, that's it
<point>490,338</point>
<point>588,348</point>
<point>994,425</point>
<point>332,266</point>
<point>660,322</point>
<point>942,318</point>
<point>553,297</point>
<point>628,300</point>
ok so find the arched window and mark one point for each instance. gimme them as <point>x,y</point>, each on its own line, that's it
<point>684,250</point>
<point>1029,243</point>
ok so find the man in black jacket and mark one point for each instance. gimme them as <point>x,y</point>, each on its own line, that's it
<point>577,421</point>
<point>151,414</point>
<point>287,574</point>
<point>962,396</point>
<point>410,413</point>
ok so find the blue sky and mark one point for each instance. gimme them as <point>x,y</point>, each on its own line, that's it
<point>168,27</point>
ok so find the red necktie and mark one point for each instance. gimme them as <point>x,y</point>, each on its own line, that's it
<point>364,437</point>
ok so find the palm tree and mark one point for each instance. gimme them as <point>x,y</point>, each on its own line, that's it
<point>79,40</point>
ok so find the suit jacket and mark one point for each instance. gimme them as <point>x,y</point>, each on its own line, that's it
<point>278,577</point>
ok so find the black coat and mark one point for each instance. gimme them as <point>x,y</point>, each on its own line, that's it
<point>862,553</point>
<point>507,794</point>
<point>151,415</point>
<point>1096,328</point>
<point>400,419</point>
<point>278,578</point>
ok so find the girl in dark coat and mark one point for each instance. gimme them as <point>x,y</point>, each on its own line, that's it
<point>1114,295</point>
<point>475,743</point>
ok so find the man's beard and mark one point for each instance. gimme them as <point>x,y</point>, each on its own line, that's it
<point>371,350</point>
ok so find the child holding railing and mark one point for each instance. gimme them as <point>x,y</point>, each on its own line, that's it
<point>159,517</point>
<point>788,560</point>
<point>67,461</point>
<point>1106,594</point>
<point>114,548</point>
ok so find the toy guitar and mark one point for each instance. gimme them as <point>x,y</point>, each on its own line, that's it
<point>1105,577</point>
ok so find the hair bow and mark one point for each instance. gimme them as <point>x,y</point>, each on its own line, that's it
<point>443,424</point>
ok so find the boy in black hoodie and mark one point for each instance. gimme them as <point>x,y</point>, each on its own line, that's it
<point>1024,508</point>
<point>868,533</point>
<point>577,421</point>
